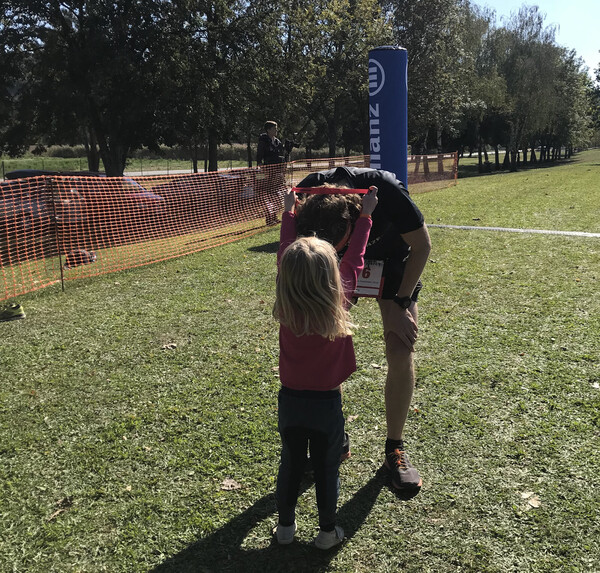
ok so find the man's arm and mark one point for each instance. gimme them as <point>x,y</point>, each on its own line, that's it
<point>420,247</point>
<point>260,152</point>
<point>403,321</point>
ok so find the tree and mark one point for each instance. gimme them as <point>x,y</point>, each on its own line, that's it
<point>101,53</point>
<point>526,53</point>
<point>430,30</point>
<point>594,107</point>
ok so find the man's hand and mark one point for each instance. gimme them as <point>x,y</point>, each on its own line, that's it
<point>289,200</point>
<point>403,325</point>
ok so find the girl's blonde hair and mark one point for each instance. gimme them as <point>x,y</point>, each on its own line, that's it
<point>310,296</point>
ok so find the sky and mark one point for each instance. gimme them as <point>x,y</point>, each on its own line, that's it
<point>577,23</point>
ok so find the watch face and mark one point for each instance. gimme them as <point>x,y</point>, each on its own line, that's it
<point>404,301</point>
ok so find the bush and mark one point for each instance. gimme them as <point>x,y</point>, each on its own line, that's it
<point>65,151</point>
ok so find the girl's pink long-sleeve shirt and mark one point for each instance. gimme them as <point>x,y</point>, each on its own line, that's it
<point>313,362</point>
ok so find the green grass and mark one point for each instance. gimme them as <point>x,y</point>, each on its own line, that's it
<point>128,400</point>
<point>133,165</point>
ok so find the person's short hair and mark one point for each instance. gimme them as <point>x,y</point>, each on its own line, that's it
<point>269,124</point>
<point>310,297</point>
<point>327,216</point>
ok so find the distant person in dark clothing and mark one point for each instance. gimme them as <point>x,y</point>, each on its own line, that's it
<point>270,149</point>
<point>271,156</point>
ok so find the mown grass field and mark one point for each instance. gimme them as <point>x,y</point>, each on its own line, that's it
<point>138,410</point>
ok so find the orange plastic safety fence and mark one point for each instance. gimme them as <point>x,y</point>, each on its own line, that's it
<point>59,228</point>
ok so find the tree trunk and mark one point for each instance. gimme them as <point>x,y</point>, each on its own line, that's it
<point>249,149</point>
<point>506,162</point>
<point>91,150</point>
<point>114,158</point>
<point>194,154</point>
<point>213,164</point>
<point>426,166</point>
<point>332,136</point>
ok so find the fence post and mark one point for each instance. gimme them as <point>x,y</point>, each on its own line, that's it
<point>59,245</point>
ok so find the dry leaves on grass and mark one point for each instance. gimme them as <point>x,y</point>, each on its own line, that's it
<point>62,505</point>
<point>229,484</point>
<point>532,501</point>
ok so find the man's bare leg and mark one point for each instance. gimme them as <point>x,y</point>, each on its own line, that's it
<point>399,387</point>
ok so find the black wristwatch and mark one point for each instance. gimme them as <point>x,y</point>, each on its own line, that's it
<point>403,301</point>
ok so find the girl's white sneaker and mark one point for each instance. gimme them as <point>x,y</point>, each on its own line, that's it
<point>285,533</point>
<point>329,539</point>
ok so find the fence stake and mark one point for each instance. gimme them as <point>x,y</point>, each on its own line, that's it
<point>58,241</point>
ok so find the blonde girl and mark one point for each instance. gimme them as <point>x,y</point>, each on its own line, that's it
<point>313,294</point>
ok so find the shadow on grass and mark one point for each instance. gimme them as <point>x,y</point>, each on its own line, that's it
<point>472,169</point>
<point>222,551</point>
<point>267,248</point>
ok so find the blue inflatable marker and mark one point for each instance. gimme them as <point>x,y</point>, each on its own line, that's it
<point>388,110</point>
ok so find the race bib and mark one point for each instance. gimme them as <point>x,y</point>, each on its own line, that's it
<point>370,280</point>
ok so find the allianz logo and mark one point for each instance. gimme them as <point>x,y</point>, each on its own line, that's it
<point>376,77</point>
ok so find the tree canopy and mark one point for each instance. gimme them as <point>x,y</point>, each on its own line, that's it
<point>121,75</point>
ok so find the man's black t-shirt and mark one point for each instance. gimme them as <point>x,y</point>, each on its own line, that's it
<point>395,214</point>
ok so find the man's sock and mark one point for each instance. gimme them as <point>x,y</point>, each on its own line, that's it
<point>391,445</point>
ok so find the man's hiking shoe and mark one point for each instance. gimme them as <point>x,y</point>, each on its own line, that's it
<point>404,475</point>
<point>329,539</point>
<point>12,312</point>
<point>345,448</point>
<point>285,533</point>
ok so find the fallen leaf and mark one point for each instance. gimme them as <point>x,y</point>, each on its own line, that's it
<point>596,386</point>
<point>527,494</point>
<point>62,504</point>
<point>65,502</point>
<point>534,501</point>
<point>352,418</point>
<point>170,346</point>
<point>56,514</point>
<point>128,488</point>
<point>229,484</point>
<point>375,365</point>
